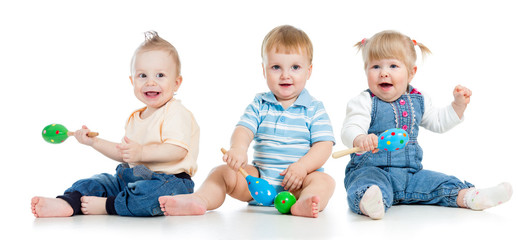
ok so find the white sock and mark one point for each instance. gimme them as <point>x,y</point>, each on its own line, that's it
<point>480,199</point>
<point>372,203</point>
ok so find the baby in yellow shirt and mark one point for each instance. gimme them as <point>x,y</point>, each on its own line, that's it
<point>158,152</point>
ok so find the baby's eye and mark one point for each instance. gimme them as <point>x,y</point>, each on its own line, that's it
<point>295,67</point>
<point>375,66</point>
<point>276,67</point>
<point>142,75</point>
<point>160,75</point>
<point>393,66</point>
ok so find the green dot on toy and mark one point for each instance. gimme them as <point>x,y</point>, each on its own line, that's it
<point>55,133</point>
<point>283,201</point>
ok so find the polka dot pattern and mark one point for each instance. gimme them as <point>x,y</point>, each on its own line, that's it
<point>393,139</point>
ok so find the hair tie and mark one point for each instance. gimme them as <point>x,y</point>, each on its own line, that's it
<point>364,41</point>
<point>415,42</point>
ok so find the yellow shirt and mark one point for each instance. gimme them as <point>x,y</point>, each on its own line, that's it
<point>172,124</point>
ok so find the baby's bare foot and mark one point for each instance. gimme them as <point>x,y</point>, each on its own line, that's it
<point>307,207</point>
<point>93,205</point>
<point>181,205</point>
<point>50,207</point>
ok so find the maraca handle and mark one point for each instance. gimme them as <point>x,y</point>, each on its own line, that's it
<point>90,134</point>
<point>241,170</point>
<point>342,153</point>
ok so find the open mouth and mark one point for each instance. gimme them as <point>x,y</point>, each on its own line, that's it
<point>385,85</point>
<point>285,84</point>
<point>152,94</point>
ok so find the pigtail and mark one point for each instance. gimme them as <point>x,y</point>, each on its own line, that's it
<point>361,44</point>
<point>424,50</point>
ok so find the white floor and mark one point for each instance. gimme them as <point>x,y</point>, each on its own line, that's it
<point>236,220</point>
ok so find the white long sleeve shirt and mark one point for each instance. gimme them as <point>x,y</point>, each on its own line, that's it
<point>358,117</point>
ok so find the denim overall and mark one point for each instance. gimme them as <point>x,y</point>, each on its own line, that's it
<point>399,174</point>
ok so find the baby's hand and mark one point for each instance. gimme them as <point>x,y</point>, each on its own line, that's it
<point>236,158</point>
<point>462,95</point>
<point>130,151</point>
<point>293,176</point>
<point>367,143</point>
<point>82,137</point>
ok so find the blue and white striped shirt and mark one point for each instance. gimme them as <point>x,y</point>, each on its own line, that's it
<point>282,136</point>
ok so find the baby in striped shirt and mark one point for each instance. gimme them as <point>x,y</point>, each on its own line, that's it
<point>292,132</point>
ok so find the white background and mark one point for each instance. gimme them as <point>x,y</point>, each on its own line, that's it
<point>68,62</point>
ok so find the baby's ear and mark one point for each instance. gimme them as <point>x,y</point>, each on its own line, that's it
<point>131,79</point>
<point>264,73</point>
<point>414,70</point>
<point>179,81</point>
<point>310,71</point>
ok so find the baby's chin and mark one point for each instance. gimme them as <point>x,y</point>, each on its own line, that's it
<point>155,102</point>
<point>387,96</point>
<point>286,95</point>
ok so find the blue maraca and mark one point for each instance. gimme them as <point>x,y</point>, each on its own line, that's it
<point>393,139</point>
<point>260,189</point>
<point>390,140</point>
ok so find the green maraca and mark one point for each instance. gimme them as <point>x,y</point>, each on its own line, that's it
<point>57,133</point>
<point>283,201</point>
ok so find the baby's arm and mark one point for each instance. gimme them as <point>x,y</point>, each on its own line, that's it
<point>105,147</point>
<point>443,119</point>
<point>133,152</point>
<point>357,119</point>
<point>357,122</point>
<point>315,158</point>
<point>237,154</point>
<point>462,97</point>
<point>130,151</point>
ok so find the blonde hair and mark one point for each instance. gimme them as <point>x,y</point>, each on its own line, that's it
<point>287,39</point>
<point>153,42</point>
<point>391,44</point>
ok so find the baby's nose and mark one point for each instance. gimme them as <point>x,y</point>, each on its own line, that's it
<point>150,82</point>
<point>285,75</point>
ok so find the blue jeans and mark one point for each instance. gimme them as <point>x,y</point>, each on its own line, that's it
<point>132,191</point>
<point>403,186</point>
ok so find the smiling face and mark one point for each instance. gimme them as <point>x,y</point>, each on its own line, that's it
<point>154,78</point>
<point>286,74</point>
<point>388,79</point>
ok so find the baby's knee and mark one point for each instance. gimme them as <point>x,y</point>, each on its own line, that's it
<point>329,181</point>
<point>320,178</point>
<point>223,174</point>
<point>222,170</point>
